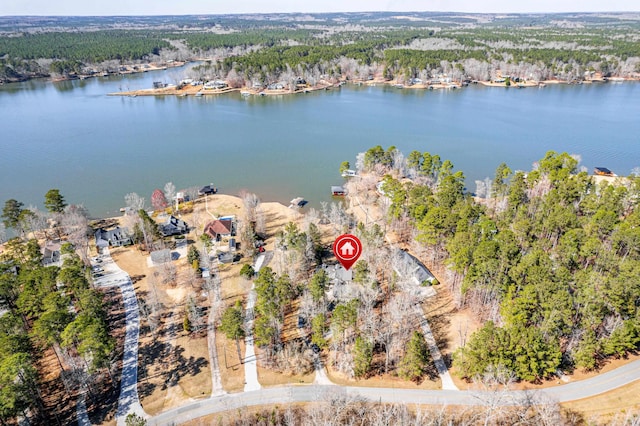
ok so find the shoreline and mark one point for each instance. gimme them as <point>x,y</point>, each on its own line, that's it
<point>200,90</point>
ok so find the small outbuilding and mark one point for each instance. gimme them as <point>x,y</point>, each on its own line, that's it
<point>603,171</point>
<point>208,190</point>
<point>338,191</point>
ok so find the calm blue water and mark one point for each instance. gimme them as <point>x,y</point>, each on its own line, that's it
<point>97,148</point>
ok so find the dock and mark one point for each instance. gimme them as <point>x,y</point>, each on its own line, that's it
<point>338,191</point>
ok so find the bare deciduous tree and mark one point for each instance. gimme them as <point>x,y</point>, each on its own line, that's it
<point>134,202</point>
<point>170,192</point>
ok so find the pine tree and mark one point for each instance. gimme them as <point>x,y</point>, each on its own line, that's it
<point>362,357</point>
<point>54,201</point>
<point>415,360</point>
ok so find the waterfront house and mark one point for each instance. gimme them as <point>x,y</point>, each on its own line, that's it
<point>215,85</point>
<point>220,228</point>
<point>277,86</point>
<point>114,237</point>
<point>51,252</point>
<point>173,226</point>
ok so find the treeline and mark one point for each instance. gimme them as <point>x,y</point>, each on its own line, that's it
<point>48,307</point>
<point>255,37</point>
<point>417,60</point>
<point>94,47</point>
<point>549,259</point>
<point>273,49</point>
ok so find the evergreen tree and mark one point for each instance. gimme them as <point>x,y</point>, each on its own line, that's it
<point>54,201</point>
<point>247,271</point>
<point>362,357</point>
<point>232,322</point>
<point>416,358</point>
<point>11,213</point>
<point>318,328</point>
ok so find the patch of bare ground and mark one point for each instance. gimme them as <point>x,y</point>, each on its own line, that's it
<point>59,404</point>
<point>270,377</point>
<point>610,407</point>
<point>382,381</point>
<point>230,358</point>
<point>246,415</point>
<point>173,367</point>
<point>231,353</point>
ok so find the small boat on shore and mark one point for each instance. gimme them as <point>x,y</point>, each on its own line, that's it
<point>298,202</point>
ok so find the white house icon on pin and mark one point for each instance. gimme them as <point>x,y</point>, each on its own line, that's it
<point>347,249</point>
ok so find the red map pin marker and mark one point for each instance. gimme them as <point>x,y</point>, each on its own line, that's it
<point>347,249</point>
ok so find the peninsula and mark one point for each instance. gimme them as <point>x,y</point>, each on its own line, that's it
<point>201,303</point>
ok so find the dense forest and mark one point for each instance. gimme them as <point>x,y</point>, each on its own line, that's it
<point>330,46</point>
<point>549,260</point>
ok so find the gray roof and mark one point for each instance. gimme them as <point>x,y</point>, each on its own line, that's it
<point>174,226</point>
<point>419,272</point>
<point>161,256</point>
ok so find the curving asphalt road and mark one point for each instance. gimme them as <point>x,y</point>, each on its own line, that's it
<point>289,394</point>
<point>128,401</point>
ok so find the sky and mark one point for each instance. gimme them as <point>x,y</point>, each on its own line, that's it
<point>188,7</point>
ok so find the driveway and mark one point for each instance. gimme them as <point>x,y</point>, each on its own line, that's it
<point>112,276</point>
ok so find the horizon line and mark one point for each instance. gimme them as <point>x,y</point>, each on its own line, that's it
<point>316,13</point>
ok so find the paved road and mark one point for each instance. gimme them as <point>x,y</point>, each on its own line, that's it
<point>288,394</point>
<point>114,276</point>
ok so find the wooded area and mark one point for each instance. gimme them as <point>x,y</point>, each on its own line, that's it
<point>549,259</point>
<point>49,308</point>
<point>352,46</point>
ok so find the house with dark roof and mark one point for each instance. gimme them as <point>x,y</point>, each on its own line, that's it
<point>221,228</point>
<point>51,252</point>
<point>173,226</point>
<point>114,237</point>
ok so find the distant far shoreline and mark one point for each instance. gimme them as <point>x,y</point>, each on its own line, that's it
<point>190,89</point>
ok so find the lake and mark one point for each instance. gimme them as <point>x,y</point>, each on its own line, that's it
<point>97,148</point>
